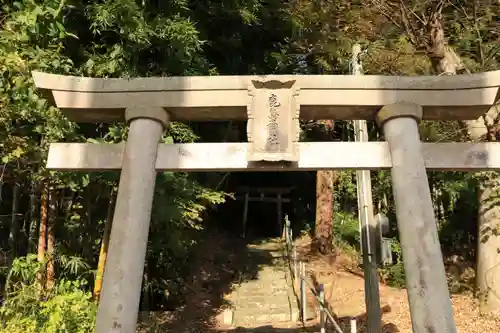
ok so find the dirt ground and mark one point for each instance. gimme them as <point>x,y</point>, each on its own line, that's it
<point>218,269</point>
<point>344,291</point>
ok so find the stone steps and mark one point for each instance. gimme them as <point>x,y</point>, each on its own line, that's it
<point>267,299</point>
<point>248,321</point>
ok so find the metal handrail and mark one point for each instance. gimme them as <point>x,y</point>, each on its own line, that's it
<point>301,276</point>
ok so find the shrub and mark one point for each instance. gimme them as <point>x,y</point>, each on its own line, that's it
<point>346,230</point>
<point>66,308</point>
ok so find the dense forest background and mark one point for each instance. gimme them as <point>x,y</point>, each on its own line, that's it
<point>54,226</point>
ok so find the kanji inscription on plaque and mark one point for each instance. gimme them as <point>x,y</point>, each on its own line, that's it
<point>273,121</point>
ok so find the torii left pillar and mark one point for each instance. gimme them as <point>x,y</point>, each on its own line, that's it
<point>121,291</point>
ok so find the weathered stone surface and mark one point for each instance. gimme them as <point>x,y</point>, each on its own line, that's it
<point>340,97</point>
<point>273,121</point>
<point>230,157</point>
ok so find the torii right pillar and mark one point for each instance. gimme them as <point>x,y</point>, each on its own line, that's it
<point>428,295</point>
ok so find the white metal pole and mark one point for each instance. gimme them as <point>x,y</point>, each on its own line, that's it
<point>367,222</point>
<point>354,329</point>
<point>322,315</point>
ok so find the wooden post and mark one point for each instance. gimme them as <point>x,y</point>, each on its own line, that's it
<point>279,212</point>
<point>245,216</point>
<point>303,296</point>
<point>294,256</point>
<point>367,222</point>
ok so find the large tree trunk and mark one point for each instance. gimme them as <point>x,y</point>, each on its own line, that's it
<point>323,230</point>
<point>324,212</point>
<point>488,257</point>
<point>488,244</point>
<point>445,61</point>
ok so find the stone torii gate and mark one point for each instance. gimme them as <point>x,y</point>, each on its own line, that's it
<point>265,194</point>
<point>273,106</point>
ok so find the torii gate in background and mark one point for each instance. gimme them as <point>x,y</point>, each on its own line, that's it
<point>265,194</point>
<point>273,106</point>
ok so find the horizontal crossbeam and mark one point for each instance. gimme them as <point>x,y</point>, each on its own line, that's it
<point>205,157</point>
<point>339,97</point>
<point>265,190</point>
<point>264,199</point>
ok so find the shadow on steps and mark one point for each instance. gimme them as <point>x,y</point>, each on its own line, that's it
<point>271,329</point>
<point>221,263</point>
<point>343,322</point>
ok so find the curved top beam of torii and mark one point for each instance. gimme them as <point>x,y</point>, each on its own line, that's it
<point>340,97</point>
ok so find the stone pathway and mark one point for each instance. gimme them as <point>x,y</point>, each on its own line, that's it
<point>267,298</point>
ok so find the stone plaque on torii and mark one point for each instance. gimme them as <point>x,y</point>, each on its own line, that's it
<point>397,103</point>
<point>273,127</point>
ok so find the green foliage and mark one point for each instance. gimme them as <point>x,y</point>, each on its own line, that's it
<point>66,308</point>
<point>346,229</point>
<point>127,38</point>
<point>394,275</point>
<point>106,39</point>
<point>346,234</point>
